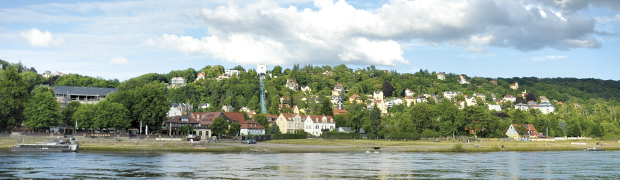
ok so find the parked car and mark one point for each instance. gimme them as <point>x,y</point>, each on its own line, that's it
<point>249,141</point>
<point>252,141</point>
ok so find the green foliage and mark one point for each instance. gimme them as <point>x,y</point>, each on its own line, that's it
<point>67,113</point>
<point>219,126</point>
<point>326,108</point>
<point>340,135</point>
<point>274,129</point>
<point>187,128</point>
<point>32,79</point>
<point>458,147</point>
<point>42,110</point>
<point>235,127</point>
<point>79,80</point>
<point>574,130</point>
<point>289,136</point>
<point>110,115</point>
<point>84,116</point>
<point>146,103</point>
<point>13,97</point>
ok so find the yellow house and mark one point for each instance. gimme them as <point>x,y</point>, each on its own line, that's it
<point>290,123</point>
<point>355,98</point>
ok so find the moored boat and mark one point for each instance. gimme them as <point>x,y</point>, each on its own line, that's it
<point>53,146</point>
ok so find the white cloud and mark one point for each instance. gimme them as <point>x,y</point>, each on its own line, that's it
<point>475,50</point>
<point>41,39</point>
<point>264,32</point>
<point>548,57</point>
<point>120,60</point>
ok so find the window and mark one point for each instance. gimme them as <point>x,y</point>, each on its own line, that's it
<point>289,125</point>
<point>317,127</point>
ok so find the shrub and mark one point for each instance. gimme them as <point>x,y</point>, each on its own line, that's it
<point>458,147</point>
<point>427,133</point>
<point>288,136</point>
<point>340,135</point>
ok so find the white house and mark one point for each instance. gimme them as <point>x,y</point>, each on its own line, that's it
<point>292,84</point>
<point>450,94</point>
<point>510,98</point>
<point>471,101</point>
<point>306,88</point>
<point>315,124</point>
<point>546,108</point>
<point>227,108</point>
<point>441,76</point>
<point>231,72</point>
<point>421,99</point>
<point>174,112</point>
<point>514,86</point>
<point>178,82</point>
<point>481,96</point>
<point>463,80</point>
<point>495,107</point>
<point>409,92</point>
<point>252,128</point>
<point>522,107</point>
<point>200,76</point>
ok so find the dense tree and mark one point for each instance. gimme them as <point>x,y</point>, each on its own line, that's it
<point>387,89</point>
<point>13,96</point>
<point>234,129</point>
<point>326,108</point>
<point>219,126</point>
<point>67,113</point>
<point>274,129</point>
<point>146,103</point>
<point>262,120</point>
<point>111,115</point>
<point>42,110</point>
<point>84,116</point>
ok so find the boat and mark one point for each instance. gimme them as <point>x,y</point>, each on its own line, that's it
<point>593,149</point>
<point>68,145</point>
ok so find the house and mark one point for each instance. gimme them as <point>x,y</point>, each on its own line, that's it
<point>206,119</point>
<point>378,99</point>
<point>306,88</point>
<point>226,108</point>
<point>316,124</point>
<point>543,99</point>
<point>245,109</point>
<point>450,94</point>
<point>178,109</point>
<point>441,76</point>
<point>493,82</point>
<point>522,107</point>
<point>271,118</point>
<point>335,92</point>
<point>204,105</point>
<point>173,125</point>
<point>336,100</point>
<point>200,76</point>
<point>546,108</point>
<point>349,130</point>
<point>481,96</point>
<point>177,82</point>
<point>339,87</point>
<point>576,105</point>
<point>462,80</point>
<point>292,84</point>
<point>513,131</point>
<point>340,111</point>
<point>514,86</point>
<point>495,107</point>
<point>409,92</point>
<point>421,99</point>
<point>296,110</point>
<point>84,95</point>
<point>290,123</point>
<point>251,128</point>
<point>285,99</point>
<point>231,72</point>
<point>355,98</point>
<point>510,98</point>
<point>409,100</point>
<point>222,77</point>
<point>174,112</point>
<point>460,104</point>
<point>471,101</point>
<point>397,101</point>
<point>327,73</point>
<point>434,96</point>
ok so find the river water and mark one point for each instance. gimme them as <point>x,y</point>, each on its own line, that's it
<point>492,165</point>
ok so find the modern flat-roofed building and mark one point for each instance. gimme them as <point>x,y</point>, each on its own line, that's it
<point>85,95</point>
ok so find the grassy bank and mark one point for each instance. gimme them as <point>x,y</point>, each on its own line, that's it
<point>314,146</point>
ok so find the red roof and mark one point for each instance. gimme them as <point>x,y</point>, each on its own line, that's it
<point>235,116</point>
<point>288,116</point>
<point>338,111</point>
<point>355,96</point>
<point>178,120</point>
<point>528,127</point>
<point>318,118</point>
<point>250,124</point>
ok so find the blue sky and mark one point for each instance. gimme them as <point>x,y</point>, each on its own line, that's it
<point>484,38</point>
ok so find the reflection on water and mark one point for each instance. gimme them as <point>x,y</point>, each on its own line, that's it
<point>574,164</point>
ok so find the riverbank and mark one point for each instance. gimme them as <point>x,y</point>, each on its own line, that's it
<point>314,145</point>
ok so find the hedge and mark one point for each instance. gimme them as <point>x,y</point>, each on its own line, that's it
<point>340,135</point>
<point>288,136</point>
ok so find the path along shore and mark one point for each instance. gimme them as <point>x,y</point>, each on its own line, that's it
<point>312,145</point>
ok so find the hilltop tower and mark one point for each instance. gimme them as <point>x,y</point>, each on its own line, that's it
<point>262,70</point>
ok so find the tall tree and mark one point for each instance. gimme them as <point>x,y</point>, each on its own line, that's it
<point>219,126</point>
<point>262,120</point>
<point>42,110</point>
<point>13,97</point>
<point>111,115</point>
<point>326,108</point>
<point>275,129</point>
<point>67,113</point>
<point>387,89</point>
<point>374,120</point>
<point>235,127</point>
<point>84,116</point>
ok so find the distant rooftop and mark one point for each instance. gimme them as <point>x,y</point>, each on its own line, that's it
<point>75,90</point>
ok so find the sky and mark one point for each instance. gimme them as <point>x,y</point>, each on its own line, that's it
<point>478,38</point>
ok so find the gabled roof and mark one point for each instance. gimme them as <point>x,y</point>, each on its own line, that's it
<point>251,125</point>
<point>239,117</point>
<point>314,118</point>
<point>340,111</point>
<point>178,120</point>
<point>288,116</point>
<point>355,96</point>
<point>528,127</point>
<point>75,90</point>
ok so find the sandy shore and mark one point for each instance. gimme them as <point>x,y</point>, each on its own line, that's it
<point>312,145</point>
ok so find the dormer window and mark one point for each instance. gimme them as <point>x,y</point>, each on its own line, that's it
<point>184,119</point>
